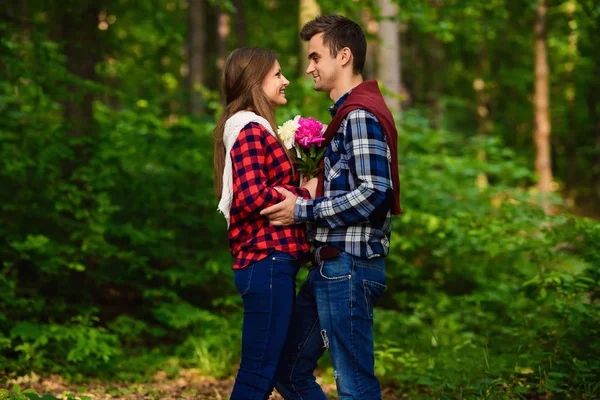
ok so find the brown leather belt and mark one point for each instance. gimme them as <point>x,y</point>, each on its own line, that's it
<point>323,254</point>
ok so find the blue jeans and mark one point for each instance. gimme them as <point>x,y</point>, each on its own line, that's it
<point>268,289</point>
<point>334,310</point>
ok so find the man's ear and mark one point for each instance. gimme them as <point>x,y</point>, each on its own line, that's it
<point>345,55</point>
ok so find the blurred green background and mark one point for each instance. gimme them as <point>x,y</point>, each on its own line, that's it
<point>114,262</point>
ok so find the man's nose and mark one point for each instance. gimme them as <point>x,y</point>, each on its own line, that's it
<point>310,68</point>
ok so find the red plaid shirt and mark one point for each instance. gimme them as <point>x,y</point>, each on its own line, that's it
<point>259,165</point>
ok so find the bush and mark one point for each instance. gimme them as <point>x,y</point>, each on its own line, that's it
<point>487,294</point>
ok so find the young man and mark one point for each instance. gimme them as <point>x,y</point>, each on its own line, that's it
<point>349,221</point>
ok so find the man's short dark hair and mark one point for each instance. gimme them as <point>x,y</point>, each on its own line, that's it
<point>339,32</point>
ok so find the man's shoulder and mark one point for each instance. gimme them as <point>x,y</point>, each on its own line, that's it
<point>361,114</point>
<point>361,120</point>
<point>362,123</point>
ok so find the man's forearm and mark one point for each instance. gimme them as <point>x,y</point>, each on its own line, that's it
<point>347,209</point>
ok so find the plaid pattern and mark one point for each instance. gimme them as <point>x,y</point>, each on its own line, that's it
<point>355,213</point>
<point>260,164</point>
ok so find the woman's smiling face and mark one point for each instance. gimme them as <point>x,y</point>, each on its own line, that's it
<point>274,86</point>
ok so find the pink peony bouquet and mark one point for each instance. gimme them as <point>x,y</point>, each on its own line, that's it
<point>305,135</point>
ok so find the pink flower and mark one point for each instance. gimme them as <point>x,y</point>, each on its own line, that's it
<point>309,132</point>
<point>304,135</point>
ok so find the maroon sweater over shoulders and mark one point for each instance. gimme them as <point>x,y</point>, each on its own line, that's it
<point>367,96</point>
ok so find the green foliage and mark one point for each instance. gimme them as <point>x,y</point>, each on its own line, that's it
<point>213,347</point>
<point>115,262</point>
<point>30,394</point>
<point>41,346</point>
<point>468,66</point>
<point>109,239</point>
<point>489,297</point>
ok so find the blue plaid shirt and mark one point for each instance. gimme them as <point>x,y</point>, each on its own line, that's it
<point>355,213</point>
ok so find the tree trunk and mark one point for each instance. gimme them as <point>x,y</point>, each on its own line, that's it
<point>196,54</point>
<point>25,16</point>
<point>435,58</point>
<point>571,141</point>
<point>79,30</point>
<point>309,9</point>
<point>597,161</point>
<point>593,100</point>
<point>223,30</point>
<point>484,122</point>
<point>596,177</point>
<point>241,28</point>
<point>372,27</point>
<point>543,164</point>
<point>389,68</point>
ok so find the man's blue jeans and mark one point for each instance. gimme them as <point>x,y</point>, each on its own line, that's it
<point>268,290</point>
<point>334,310</point>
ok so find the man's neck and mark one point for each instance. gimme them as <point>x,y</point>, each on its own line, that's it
<point>344,86</point>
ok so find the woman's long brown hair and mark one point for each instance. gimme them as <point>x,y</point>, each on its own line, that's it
<point>243,75</point>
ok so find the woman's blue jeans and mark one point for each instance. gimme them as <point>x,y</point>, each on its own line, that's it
<point>334,310</point>
<point>268,290</point>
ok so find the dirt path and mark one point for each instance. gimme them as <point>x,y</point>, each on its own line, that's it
<point>188,385</point>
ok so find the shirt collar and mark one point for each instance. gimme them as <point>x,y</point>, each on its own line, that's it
<point>333,109</point>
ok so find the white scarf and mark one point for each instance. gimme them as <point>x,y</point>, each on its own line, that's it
<point>233,126</point>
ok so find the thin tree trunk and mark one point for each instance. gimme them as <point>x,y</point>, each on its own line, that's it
<point>593,100</point>
<point>309,9</point>
<point>25,13</point>
<point>415,60</point>
<point>389,68</point>
<point>372,28</point>
<point>223,30</point>
<point>593,107</point>
<point>571,142</point>
<point>82,48</point>
<point>196,55</point>
<point>484,123</point>
<point>435,56</point>
<point>543,163</point>
<point>596,177</point>
<point>241,28</point>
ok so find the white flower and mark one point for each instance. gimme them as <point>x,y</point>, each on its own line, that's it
<point>287,131</point>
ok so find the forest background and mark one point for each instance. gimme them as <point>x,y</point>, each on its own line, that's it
<point>114,262</point>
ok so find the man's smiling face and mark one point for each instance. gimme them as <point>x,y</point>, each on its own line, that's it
<point>322,66</point>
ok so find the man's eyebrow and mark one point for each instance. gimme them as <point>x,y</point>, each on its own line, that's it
<point>313,55</point>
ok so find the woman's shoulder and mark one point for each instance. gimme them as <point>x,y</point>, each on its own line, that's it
<point>246,124</point>
<point>254,128</point>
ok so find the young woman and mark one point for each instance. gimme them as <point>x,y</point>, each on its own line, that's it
<point>250,161</point>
